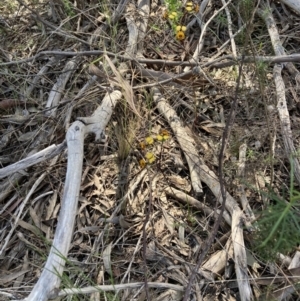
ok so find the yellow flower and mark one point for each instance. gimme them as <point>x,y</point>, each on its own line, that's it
<point>150,157</point>
<point>159,138</point>
<point>162,138</point>
<point>149,140</point>
<point>173,15</point>
<point>163,135</point>
<point>189,6</point>
<point>180,28</point>
<point>192,7</point>
<point>180,35</point>
<point>142,163</point>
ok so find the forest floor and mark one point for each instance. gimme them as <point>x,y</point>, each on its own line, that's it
<point>197,107</point>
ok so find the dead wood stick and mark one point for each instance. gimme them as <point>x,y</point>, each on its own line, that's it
<point>293,4</point>
<point>50,279</point>
<point>186,142</point>
<point>215,63</point>
<point>283,112</point>
<point>45,154</point>
<point>118,287</point>
<point>58,88</point>
<point>187,199</point>
<point>241,187</point>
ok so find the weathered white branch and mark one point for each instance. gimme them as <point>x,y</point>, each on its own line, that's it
<point>49,282</point>
<point>144,11</point>
<point>267,16</point>
<point>285,122</point>
<point>200,172</point>
<point>187,199</point>
<point>45,154</point>
<point>185,141</point>
<point>240,256</point>
<point>294,4</point>
<point>283,112</point>
<point>58,88</point>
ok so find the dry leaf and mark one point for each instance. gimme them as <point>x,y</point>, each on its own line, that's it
<point>124,223</point>
<point>94,70</point>
<point>159,227</point>
<point>51,205</point>
<point>107,259</point>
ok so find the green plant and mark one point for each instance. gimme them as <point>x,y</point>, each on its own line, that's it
<point>191,217</point>
<point>261,71</point>
<point>221,20</point>
<point>246,8</point>
<point>250,153</point>
<point>279,225</point>
<point>173,5</point>
<point>68,8</point>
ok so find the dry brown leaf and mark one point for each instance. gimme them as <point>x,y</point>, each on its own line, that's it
<point>295,271</point>
<point>6,278</point>
<point>8,103</point>
<point>94,70</point>
<point>168,220</point>
<point>151,252</point>
<point>124,223</point>
<point>180,183</point>
<point>51,205</point>
<point>159,227</point>
<point>36,231</point>
<point>98,208</point>
<point>97,183</point>
<point>25,267</point>
<point>37,220</point>
<point>27,136</point>
<point>107,258</point>
<point>170,295</point>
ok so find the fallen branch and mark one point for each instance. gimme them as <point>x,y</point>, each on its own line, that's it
<point>283,112</point>
<point>50,279</point>
<point>293,4</point>
<point>185,141</point>
<point>214,64</point>
<point>187,199</point>
<point>45,154</point>
<point>117,287</point>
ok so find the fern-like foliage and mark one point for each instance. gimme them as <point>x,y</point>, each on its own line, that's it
<point>279,225</point>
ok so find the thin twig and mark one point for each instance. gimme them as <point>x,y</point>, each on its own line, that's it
<point>231,59</point>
